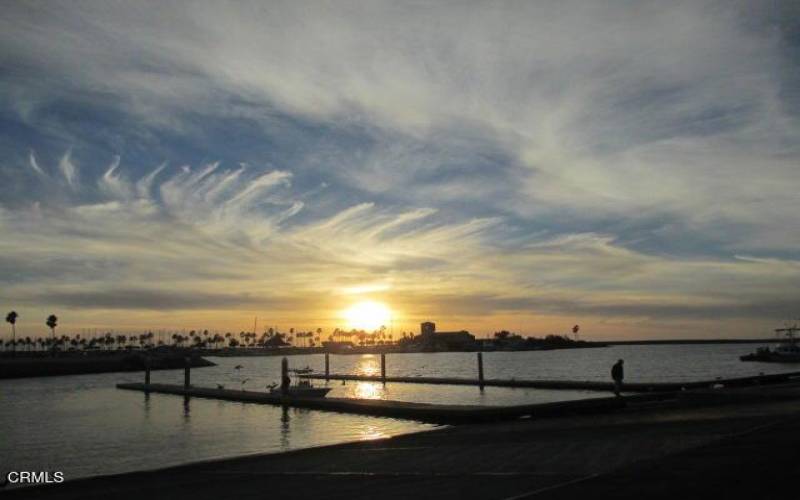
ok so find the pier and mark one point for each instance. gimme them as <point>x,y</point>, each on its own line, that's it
<point>423,412</point>
<point>583,385</point>
<point>438,413</point>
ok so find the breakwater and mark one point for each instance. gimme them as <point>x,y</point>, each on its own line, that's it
<point>21,367</point>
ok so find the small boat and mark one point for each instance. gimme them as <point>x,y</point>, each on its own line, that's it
<point>302,388</point>
<point>305,370</point>
<point>787,351</point>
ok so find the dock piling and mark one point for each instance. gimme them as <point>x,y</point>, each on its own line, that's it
<point>383,367</point>
<point>285,380</point>
<point>327,366</point>
<point>146,371</point>
<point>480,370</point>
<point>187,376</point>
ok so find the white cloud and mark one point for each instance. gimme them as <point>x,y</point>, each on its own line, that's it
<point>34,164</point>
<point>68,169</point>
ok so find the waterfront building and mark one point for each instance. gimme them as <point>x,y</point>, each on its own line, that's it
<point>448,341</point>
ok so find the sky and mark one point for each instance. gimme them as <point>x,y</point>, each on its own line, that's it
<point>631,167</point>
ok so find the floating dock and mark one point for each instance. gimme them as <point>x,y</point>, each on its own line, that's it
<point>401,409</point>
<point>570,384</point>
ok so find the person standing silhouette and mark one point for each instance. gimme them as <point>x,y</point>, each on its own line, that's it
<point>618,374</point>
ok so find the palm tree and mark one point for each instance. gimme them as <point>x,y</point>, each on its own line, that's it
<point>52,322</point>
<point>12,319</point>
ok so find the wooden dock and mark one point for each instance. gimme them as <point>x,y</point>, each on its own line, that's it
<point>401,409</point>
<point>570,384</point>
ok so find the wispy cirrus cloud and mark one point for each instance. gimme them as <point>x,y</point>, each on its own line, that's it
<point>546,159</point>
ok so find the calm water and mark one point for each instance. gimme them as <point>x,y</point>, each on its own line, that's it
<point>83,426</point>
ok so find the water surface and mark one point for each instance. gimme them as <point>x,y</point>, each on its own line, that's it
<point>84,426</point>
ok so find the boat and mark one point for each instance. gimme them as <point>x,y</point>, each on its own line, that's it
<point>307,369</point>
<point>301,388</point>
<point>788,351</point>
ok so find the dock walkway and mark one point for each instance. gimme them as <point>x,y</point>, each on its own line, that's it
<point>425,412</point>
<point>585,385</point>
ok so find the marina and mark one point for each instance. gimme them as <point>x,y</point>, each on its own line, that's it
<point>788,351</point>
<point>150,429</point>
<point>424,412</point>
<point>637,452</point>
<point>302,394</point>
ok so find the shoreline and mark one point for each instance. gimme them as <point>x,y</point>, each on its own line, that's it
<point>235,352</point>
<point>210,462</point>
<point>771,340</point>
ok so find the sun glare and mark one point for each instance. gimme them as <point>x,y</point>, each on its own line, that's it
<point>368,315</point>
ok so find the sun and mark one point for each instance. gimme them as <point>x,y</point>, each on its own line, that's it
<point>368,315</point>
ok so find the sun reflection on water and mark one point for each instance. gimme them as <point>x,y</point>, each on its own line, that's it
<point>368,365</point>
<point>370,432</point>
<point>368,390</point>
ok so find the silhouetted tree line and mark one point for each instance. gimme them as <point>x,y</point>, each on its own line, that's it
<point>193,339</point>
<point>507,338</point>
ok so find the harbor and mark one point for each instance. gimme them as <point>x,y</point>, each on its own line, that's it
<point>229,410</point>
<point>635,452</point>
<point>302,394</point>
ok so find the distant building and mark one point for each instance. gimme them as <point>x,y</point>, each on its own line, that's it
<point>449,341</point>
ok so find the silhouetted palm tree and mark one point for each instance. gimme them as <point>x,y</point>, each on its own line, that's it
<point>52,322</point>
<point>12,319</point>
